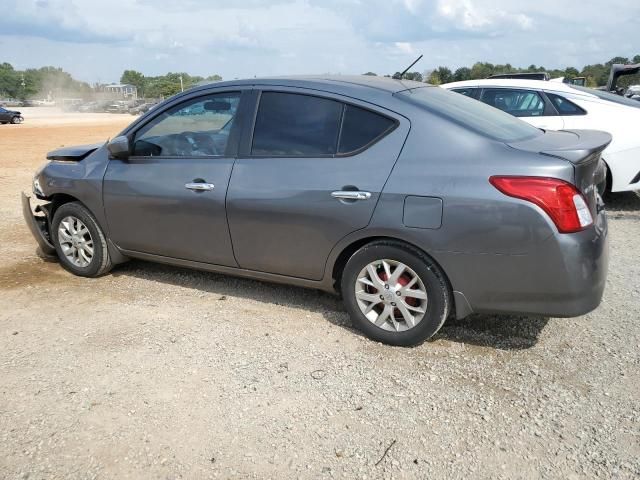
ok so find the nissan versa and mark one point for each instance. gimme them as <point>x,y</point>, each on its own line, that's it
<point>413,202</point>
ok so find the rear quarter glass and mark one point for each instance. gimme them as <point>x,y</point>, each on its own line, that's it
<point>470,113</point>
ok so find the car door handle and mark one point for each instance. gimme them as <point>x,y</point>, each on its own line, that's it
<point>199,187</point>
<point>350,195</point>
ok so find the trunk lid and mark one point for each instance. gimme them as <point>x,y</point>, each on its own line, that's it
<point>583,149</point>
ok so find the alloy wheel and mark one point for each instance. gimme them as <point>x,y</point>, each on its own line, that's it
<point>391,295</point>
<point>75,241</point>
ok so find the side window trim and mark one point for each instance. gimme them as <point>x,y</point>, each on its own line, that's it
<point>549,108</point>
<point>247,142</point>
<point>232,147</point>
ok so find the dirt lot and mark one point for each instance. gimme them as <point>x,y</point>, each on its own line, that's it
<point>160,372</point>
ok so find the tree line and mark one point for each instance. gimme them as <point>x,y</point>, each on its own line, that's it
<point>53,81</point>
<point>44,81</point>
<point>163,85</point>
<point>596,75</point>
<point>38,82</point>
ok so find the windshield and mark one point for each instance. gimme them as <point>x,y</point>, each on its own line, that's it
<point>612,97</point>
<point>471,113</point>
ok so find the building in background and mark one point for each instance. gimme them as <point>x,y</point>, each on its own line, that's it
<point>121,91</point>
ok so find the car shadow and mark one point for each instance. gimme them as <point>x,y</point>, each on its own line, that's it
<point>504,332</point>
<point>622,202</point>
<point>493,331</point>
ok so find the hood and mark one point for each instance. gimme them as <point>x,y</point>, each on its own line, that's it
<point>73,154</point>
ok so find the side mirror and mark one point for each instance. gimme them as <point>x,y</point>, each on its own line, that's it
<point>119,148</point>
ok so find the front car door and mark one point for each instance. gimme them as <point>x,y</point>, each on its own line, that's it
<point>310,175</point>
<point>528,105</point>
<point>168,198</point>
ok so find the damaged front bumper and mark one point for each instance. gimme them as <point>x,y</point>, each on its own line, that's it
<point>39,224</point>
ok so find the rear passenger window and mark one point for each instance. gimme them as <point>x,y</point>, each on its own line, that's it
<point>564,106</point>
<point>290,124</point>
<point>519,103</point>
<point>361,127</point>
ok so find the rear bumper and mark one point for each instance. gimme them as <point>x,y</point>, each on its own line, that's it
<point>564,276</point>
<point>38,225</point>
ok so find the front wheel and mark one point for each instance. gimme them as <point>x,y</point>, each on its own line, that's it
<point>80,244</point>
<point>16,120</point>
<point>395,294</point>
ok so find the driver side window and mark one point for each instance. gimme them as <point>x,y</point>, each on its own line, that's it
<point>199,127</point>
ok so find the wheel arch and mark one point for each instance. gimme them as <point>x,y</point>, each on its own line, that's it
<point>61,198</point>
<point>346,252</point>
<point>460,306</point>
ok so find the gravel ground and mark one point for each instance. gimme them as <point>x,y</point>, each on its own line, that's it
<point>160,372</point>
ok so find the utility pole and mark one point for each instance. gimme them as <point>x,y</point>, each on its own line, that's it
<point>181,85</point>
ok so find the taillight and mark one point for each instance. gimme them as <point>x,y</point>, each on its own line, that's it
<point>562,201</point>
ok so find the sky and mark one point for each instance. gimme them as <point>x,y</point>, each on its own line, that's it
<point>96,40</point>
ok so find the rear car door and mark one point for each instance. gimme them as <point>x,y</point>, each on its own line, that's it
<point>573,116</point>
<point>311,174</point>
<point>528,105</point>
<point>168,197</point>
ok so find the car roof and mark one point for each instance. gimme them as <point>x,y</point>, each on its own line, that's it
<point>326,82</point>
<point>553,86</point>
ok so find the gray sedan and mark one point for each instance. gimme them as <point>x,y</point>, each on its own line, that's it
<point>414,203</point>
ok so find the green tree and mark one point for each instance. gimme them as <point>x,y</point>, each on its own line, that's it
<point>135,78</point>
<point>9,81</point>
<point>571,72</point>
<point>481,70</point>
<point>462,73</point>
<point>434,78</point>
<point>444,74</point>
<point>623,60</point>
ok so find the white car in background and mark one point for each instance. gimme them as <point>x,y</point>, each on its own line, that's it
<point>558,106</point>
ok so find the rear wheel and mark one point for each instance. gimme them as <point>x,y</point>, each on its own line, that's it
<point>80,244</point>
<point>395,294</point>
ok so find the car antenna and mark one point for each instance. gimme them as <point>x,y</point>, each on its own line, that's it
<point>407,69</point>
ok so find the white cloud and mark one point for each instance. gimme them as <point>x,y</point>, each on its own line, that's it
<point>244,38</point>
<point>468,15</point>
<point>404,47</point>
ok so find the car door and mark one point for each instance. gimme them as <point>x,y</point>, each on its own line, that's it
<point>528,105</point>
<point>4,115</point>
<point>168,197</point>
<point>310,174</point>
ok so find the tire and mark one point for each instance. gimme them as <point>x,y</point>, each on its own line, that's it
<point>16,120</point>
<point>80,262</point>
<point>397,330</point>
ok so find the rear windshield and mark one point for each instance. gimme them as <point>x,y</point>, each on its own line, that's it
<point>612,97</point>
<point>471,113</point>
